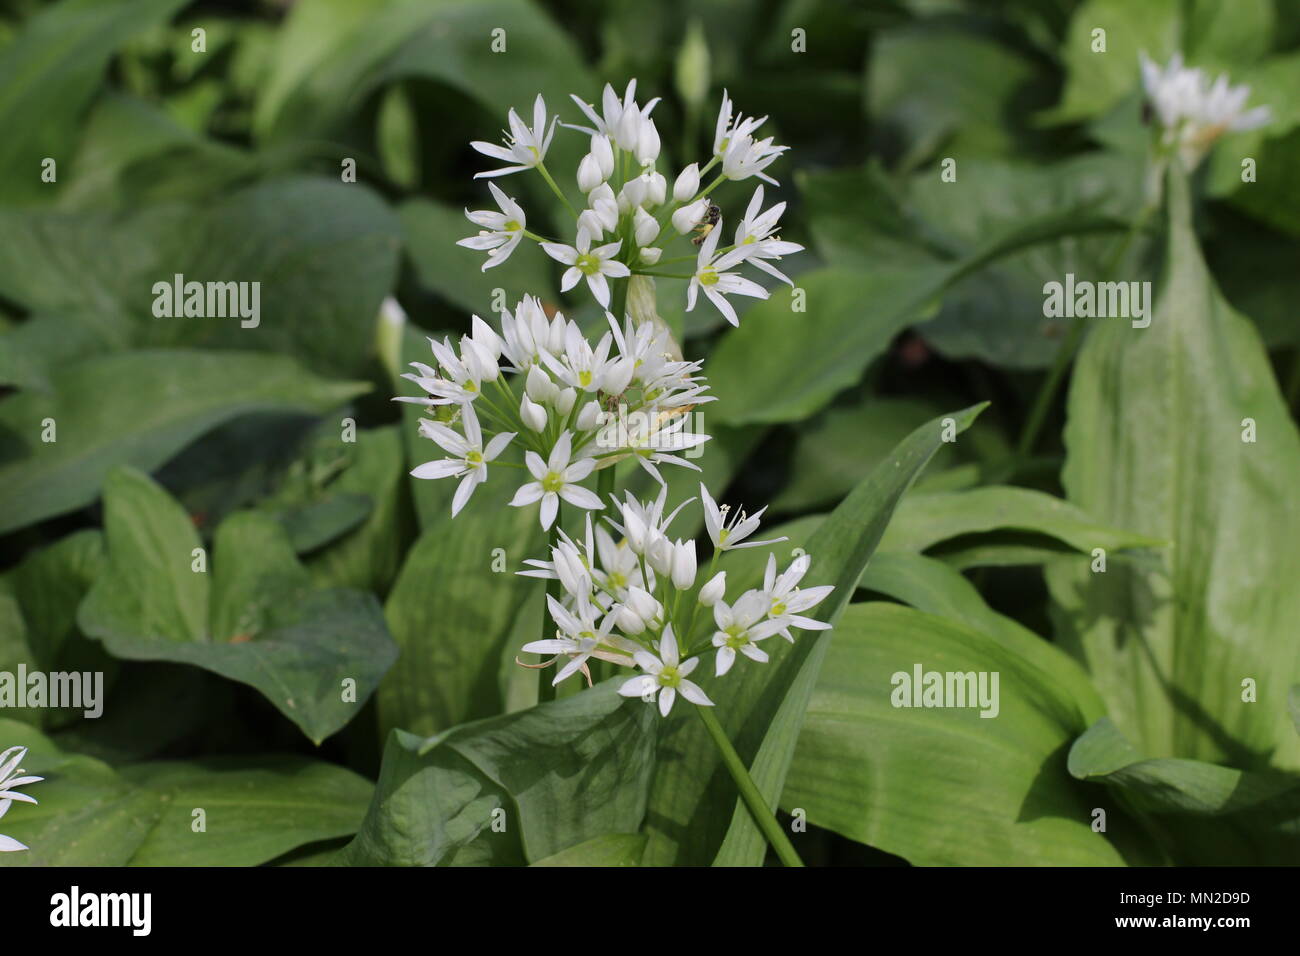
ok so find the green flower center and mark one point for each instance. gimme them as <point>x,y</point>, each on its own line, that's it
<point>553,482</point>
<point>669,677</point>
<point>474,459</point>
<point>708,277</point>
<point>584,378</point>
<point>512,226</point>
<point>588,264</point>
<point>617,580</point>
<point>778,608</point>
<point>737,636</point>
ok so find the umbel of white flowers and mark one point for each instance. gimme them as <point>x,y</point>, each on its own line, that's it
<point>1191,112</point>
<point>630,215</point>
<point>11,777</point>
<point>580,408</point>
<point>632,600</point>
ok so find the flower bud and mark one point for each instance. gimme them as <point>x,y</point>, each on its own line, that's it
<point>538,385</point>
<point>646,230</point>
<point>659,552</point>
<point>588,417</point>
<point>564,401</point>
<point>571,571</point>
<point>687,183</point>
<point>589,176</point>
<point>714,590</point>
<point>647,143</point>
<point>656,188</point>
<point>686,218</point>
<point>604,155</point>
<point>628,131</point>
<point>650,255</point>
<point>534,415</point>
<point>633,193</point>
<point>589,221</point>
<point>603,191</point>
<point>684,565</point>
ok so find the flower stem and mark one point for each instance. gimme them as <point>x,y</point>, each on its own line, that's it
<point>541,168</point>
<point>758,808</point>
<point>545,689</point>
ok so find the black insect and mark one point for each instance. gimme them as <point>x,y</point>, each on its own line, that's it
<point>711,218</point>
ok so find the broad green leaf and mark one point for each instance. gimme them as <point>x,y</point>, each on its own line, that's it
<point>693,801</point>
<point>50,73</point>
<point>965,107</point>
<point>255,808</point>
<point>612,849</point>
<point>556,775</point>
<point>174,397</point>
<point>316,655</point>
<point>1157,422</point>
<point>332,56</point>
<point>851,318</point>
<point>946,786</point>
<point>323,254</point>
<point>1205,814</point>
<point>923,520</point>
<point>452,608</point>
<point>49,585</point>
<point>837,450</point>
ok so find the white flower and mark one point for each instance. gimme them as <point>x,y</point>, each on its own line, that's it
<point>1192,112</point>
<point>639,610</point>
<point>622,121</point>
<point>712,276</point>
<point>644,523</point>
<point>740,627</point>
<point>786,601</point>
<point>527,334</point>
<point>501,231</point>
<point>687,183</point>
<point>556,479</point>
<point>594,264</point>
<point>747,157</point>
<point>727,534</point>
<point>755,235</point>
<point>665,676</point>
<point>580,638</point>
<point>524,147</point>
<point>469,459</point>
<point>11,778</point>
<point>591,370</point>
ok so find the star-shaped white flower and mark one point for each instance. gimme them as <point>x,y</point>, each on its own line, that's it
<point>11,778</point>
<point>726,532</point>
<point>1192,112</point>
<point>711,275</point>
<point>581,637</point>
<point>740,627</point>
<point>786,601</point>
<point>755,234</point>
<point>524,147</point>
<point>500,232</point>
<point>665,675</point>
<point>586,262</point>
<point>556,478</point>
<point>469,457</point>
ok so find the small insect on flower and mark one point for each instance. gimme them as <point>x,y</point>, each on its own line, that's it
<point>712,216</point>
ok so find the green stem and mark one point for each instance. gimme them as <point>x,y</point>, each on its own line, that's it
<point>749,792</point>
<point>619,301</point>
<point>1292,392</point>
<point>541,168</point>
<point>545,689</point>
<point>605,483</point>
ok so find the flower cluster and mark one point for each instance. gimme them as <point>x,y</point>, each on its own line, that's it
<point>11,776</point>
<point>633,600</point>
<point>573,407</point>
<point>630,214</point>
<point>1192,111</point>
